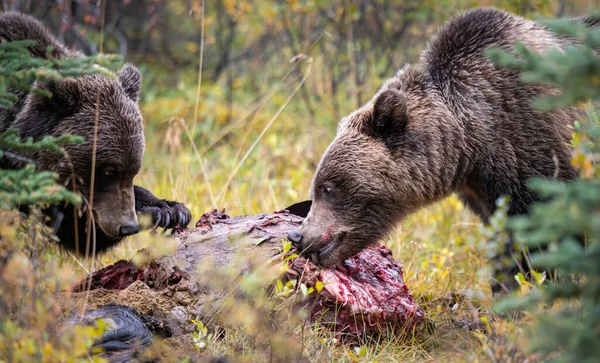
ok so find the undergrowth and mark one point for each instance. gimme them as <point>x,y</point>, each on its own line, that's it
<point>256,155</point>
<point>446,267</point>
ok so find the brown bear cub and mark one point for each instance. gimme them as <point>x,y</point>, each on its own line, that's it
<point>73,108</point>
<point>453,123</point>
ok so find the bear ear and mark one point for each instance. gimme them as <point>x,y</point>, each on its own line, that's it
<point>131,80</point>
<point>389,115</point>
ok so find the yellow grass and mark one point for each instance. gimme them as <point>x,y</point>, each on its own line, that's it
<point>265,162</point>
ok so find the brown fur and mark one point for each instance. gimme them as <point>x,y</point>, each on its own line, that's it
<point>75,105</point>
<point>453,123</point>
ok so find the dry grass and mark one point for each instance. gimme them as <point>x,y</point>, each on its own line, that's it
<point>258,162</point>
<point>262,160</point>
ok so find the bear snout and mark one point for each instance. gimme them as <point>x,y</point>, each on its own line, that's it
<point>129,230</point>
<point>296,238</point>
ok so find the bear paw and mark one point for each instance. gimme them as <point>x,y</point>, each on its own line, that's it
<point>167,214</point>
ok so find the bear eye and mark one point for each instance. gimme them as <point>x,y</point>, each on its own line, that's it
<point>109,173</point>
<point>327,193</point>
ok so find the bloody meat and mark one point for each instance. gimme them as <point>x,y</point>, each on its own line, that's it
<point>366,294</point>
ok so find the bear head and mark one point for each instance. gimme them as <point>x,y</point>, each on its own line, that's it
<point>368,179</point>
<point>105,113</point>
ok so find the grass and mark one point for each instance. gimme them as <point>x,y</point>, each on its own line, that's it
<point>259,155</point>
<point>262,158</point>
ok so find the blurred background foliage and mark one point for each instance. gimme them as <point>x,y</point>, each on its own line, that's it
<point>240,100</point>
<point>254,54</point>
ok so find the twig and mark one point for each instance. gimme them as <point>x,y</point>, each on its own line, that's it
<point>8,154</point>
<point>264,130</point>
<point>196,106</point>
<point>91,230</point>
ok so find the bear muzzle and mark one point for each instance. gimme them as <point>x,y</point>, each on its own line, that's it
<point>321,256</point>
<point>117,225</point>
<point>296,238</point>
<point>129,230</point>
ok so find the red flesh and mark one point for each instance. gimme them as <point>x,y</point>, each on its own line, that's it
<point>364,295</point>
<point>367,290</point>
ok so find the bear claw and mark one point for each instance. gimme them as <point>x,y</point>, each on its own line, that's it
<point>168,215</point>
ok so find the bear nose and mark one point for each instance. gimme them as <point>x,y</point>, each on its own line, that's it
<point>296,238</point>
<point>129,230</point>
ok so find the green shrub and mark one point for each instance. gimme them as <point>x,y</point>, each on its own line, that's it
<point>569,328</point>
<point>31,275</point>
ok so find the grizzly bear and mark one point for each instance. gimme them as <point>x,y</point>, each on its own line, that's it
<point>75,106</point>
<point>455,122</point>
